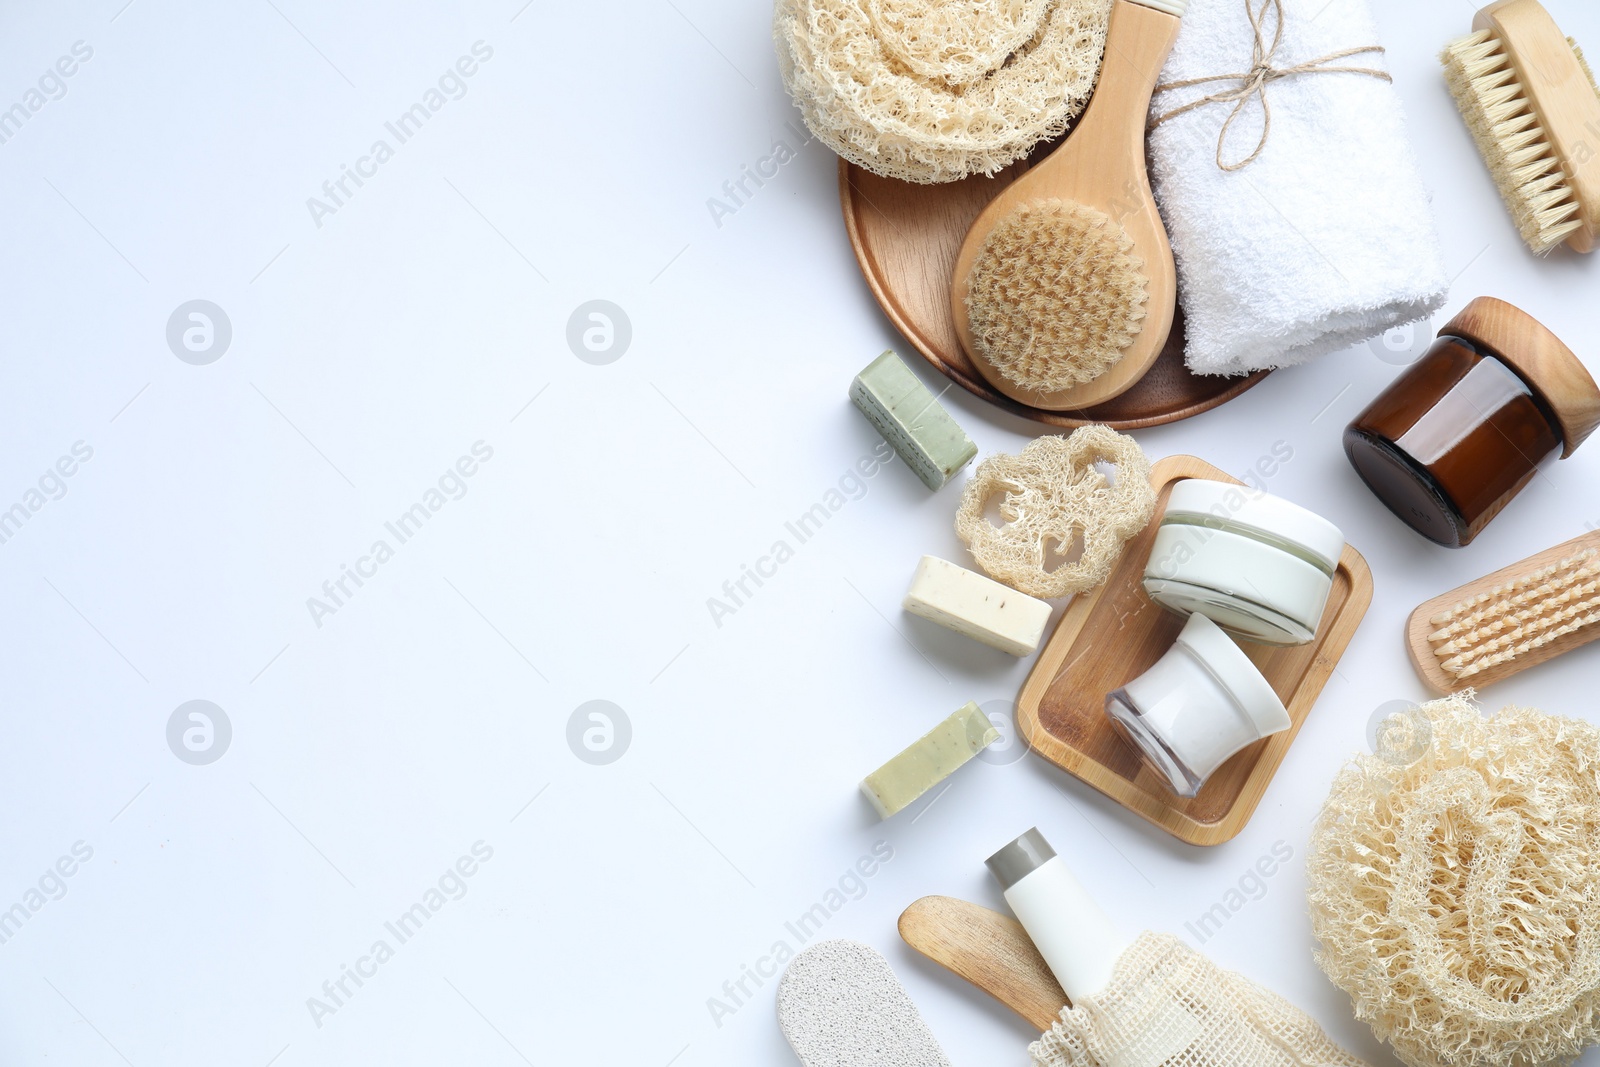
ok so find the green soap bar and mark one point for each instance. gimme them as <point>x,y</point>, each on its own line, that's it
<point>911,419</point>
<point>933,758</point>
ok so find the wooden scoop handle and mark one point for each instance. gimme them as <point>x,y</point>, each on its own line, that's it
<point>989,950</point>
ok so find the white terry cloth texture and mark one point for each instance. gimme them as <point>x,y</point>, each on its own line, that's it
<point>1169,1006</point>
<point>1328,238</point>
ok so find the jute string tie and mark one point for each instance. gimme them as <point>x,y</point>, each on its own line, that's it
<point>1254,82</point>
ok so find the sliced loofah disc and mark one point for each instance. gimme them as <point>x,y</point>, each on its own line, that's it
<point>1056,295</point>
<point>1454,883</point>
<point>936,90</point>
<point>1054,499</point>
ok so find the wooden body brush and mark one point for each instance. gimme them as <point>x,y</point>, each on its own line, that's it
<point>1531,103</point>
<point>1510,620</point>
<point>1065,288</point>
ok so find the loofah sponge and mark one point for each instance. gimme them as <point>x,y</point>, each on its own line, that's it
<point>1056,295</point>
<point>934,90</point>
<point>1055,496</point>
<point>1454,883</point>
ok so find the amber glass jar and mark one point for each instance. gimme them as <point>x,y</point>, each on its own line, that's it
<point>1452,440</point>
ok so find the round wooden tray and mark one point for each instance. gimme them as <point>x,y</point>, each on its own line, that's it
<point>906,237</point>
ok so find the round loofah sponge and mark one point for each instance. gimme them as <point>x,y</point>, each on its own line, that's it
<point>936,90</point>
<point>1055,499</point>
<point>1454,883</point>
<point>1056,295</point>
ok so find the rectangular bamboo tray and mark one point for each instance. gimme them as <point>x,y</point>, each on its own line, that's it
<point>1114,633</point>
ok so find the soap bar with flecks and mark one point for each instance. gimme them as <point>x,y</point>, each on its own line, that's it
<point>978,607</point>
<point>933,758</point>
<point>911,419</point>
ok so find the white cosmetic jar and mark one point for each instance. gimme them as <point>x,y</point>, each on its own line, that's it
<point>1199,704</point>
<point>1255,564</point>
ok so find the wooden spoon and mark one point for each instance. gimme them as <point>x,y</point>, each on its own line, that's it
<point>1102,166</point>
<point>989,950</point>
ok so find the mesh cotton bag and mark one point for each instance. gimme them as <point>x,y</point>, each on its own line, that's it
<point>1169,1006</point>
<point>1454,883</point>
<point>934,90</point>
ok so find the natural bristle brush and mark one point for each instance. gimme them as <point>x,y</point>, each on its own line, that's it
<point>1064,288</point>
<point>1533,107</point>
<point>1510,620</point>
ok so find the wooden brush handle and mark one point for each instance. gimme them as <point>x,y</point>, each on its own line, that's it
<point>1562,96</point>
<point>989,950</point>
<point>1138,41</point>
<point>1102,166</point>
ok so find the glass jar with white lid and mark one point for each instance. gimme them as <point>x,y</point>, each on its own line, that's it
<point>1255,564</point>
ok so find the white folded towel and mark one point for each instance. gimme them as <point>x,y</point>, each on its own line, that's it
<point>1324,241</point>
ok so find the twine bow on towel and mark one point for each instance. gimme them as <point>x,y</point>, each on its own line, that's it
<point>1262,73</point>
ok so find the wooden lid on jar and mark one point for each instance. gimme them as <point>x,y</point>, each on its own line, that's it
<point>1527,346</point>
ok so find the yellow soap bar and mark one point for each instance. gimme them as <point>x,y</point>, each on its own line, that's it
<point>933,758</point>
<point>978,607</point>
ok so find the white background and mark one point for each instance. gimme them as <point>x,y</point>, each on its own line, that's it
<point>371,352</point>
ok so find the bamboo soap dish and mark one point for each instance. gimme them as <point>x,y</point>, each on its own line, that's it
<point>1114,633</point>
<point>1508,621</point>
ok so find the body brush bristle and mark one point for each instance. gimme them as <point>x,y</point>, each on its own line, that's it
<point>1057,294</point>
<point>1503,623</point>
<point>1508,118</point>
<point>1517,617</point>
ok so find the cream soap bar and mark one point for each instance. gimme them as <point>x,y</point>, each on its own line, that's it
<point>934,757</point>
<point>978,607</point>
<point>911,419</point>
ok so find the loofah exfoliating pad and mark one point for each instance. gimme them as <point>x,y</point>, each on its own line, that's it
<point>934,90</point>
<point>1454,884</point>
<point>1054,498</point>
<point>1056,295</point>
